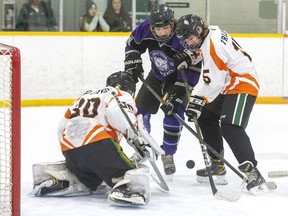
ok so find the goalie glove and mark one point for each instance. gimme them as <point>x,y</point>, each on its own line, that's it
<point>184,59</point>
<point>136,141</point>
<point>194,107</point>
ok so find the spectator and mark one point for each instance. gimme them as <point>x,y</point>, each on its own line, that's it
<point>36,15</point>
<point>117,17</point>
<point>92,20</point>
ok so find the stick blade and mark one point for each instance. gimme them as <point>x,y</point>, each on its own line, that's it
<point>231,197</point>
<point>271,185</point>
<point>162,184</point>
<point>277,174</point>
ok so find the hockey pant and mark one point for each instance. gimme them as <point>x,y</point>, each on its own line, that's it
<point>228,116</point>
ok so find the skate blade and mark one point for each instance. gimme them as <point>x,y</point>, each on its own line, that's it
<point>218,180</point>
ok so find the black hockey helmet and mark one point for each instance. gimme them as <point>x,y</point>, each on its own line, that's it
<point>123,81</point>
<point>189,25</point>
<point>161,15</point>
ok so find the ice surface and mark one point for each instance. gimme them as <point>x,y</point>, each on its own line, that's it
<point>267,129</point>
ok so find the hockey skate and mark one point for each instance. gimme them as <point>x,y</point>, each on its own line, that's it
<point>218,172</point>
<point>49,186</point>
<point>123,196</point>
<point>168,164</point>
<point>256,183</point>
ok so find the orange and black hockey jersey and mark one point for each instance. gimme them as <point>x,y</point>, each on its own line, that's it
<point>95,116</point>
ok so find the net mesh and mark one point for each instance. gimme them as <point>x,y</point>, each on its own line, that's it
<point>5,131</point>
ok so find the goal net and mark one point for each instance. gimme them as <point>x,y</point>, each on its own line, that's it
<point>10,90</point>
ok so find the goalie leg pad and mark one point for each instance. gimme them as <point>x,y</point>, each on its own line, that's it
<point>134,189</point>
<point>139,181</point>
<point>39,170</point>
<point>45,173</point>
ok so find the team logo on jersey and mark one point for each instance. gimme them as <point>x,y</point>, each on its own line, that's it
<point>164,64</point>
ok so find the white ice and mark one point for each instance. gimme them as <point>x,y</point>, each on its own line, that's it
<point>267,129</point>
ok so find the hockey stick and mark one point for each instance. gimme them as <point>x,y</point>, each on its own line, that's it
<point>277,174</point>
<point>215,192</point>
<point>162,183</point>
<point>207,161</point>
<point>206,158</point>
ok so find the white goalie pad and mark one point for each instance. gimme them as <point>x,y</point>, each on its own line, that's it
<point>58,170</point>
<point>40,173</point>
<point>137,181</point>
<point>147,137</point>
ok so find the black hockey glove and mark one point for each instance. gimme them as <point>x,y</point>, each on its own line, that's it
<point>184,59</point>
<point>133,66</point>
<point>172,104</point>
<point>194,107</point>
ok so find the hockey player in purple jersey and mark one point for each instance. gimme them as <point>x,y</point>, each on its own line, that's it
<point>167,56</point>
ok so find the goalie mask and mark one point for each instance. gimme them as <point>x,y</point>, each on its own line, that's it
<point>122,81</point>
<point>190,25</point>
<point>161,15</point>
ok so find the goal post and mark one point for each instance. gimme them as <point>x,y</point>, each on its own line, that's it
<point>10,130</point>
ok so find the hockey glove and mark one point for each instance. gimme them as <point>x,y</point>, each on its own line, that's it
<point>134,67</point>
<point>194,107</point>
<point>135,140</point>
<point>172,104</point>
<point>184,59</point>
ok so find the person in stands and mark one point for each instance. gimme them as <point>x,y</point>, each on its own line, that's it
<point>92,20</point>
<point>117,17</point>
<point>36,15</point>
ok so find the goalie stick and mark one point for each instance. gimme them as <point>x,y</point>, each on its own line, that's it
<point>160,181</point>
<point>277,174</point>
<point>271,185</point>
<point>219,195</point>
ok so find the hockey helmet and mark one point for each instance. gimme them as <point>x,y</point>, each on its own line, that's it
<point>122,81</point>
<point>161,15</point>
<point>189,25</point>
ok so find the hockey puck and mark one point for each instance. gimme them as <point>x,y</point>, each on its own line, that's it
<point>190,164</point>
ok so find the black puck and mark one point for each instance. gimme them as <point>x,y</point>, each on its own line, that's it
<point>190,164</point>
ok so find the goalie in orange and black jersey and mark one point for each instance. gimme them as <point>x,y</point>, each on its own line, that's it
<point>90,134</point>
